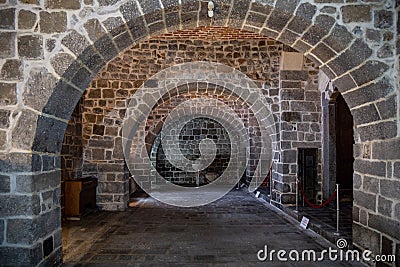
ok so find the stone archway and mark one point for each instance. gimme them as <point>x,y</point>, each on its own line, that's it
<point>31,162</point>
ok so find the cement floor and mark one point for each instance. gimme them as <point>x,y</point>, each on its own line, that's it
<point>228,232</point>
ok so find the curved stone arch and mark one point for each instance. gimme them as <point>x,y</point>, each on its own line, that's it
<point>299,25</point>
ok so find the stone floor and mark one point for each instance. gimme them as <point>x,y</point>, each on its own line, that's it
<point>228,232</point>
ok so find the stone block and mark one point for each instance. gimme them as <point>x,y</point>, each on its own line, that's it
<point>30,46</point>
<point>12,70</point>
<point>385,206</point>
<point>387,50</point>
<point>114,25</point>
<point>385,225</point>
<point>365,200</point>
<point>370,71</point>
<point>365,114</point>
<point>60,4</point>
<point>369,93</point>
<point>356,13</point>
<point>383,19</point>
<point>352,57</point>
<point>8,94</point>
<point>291,116</point>
<point>390,189</point>
<point>92,60</point>
<point>60,62</point>
<point>386,150</point>
<point>37,182</point>
<point>26,19</point>
<point>4,185</point>
<point>4,119</point>
<point>376,168</point>
<point>7,19</point>
<point>123,40</point>
<point>11,205</point>
<point>397,211</point>
<point>366,238</point>
<point>278,20</point>
<point>75,42</point>
<point>320,29</point>
<point>371,185</point>
<point>94,29</point>
<point>106,47</point>
<point>53,22</point>
<point>323,52</point>
<point>292,94</point>
<point>39,87</point>
<point>298,25</point>
<point>130,10</point>
<point>379,131</point>
<point>357,181</point>
<point>62,101</point>
<point>24,130</point>
<point>49,135</point>
<point>21,256</point>
<point>7,44</point>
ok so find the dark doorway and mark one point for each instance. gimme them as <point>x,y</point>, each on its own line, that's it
<point>307,173</point>
<point>341,146</point>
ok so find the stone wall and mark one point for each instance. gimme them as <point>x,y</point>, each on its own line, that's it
<point>51,50</point>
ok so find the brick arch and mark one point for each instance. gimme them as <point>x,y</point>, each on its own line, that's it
<point>343,57</point>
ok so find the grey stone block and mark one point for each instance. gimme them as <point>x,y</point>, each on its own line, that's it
<point>356,13</point>
<point>390,189</point>
<point>24,130</point>
<point>386,150</point>
<point>371,70</point>
<point>10,205</point>
<point>370,167</point>
<point>49,135</point>
<point>54,22</point>
<point>8,93</point>
<point>383,19</point>
<point>365,114</point>
<point>323,52</point>
<point>7,19</point>
<point>4,184</point>
<point>366,238</point>
<point>388,108</point>
<point>75,42</point>
<point>4,119</point>
<point>371,185</point>
<point>114,25</point>
<point>385,206</point>
<point>7,44</point>
<point>278,20</point>
<point>106,47</point>
<point>60,4</point>
<point>20,162</point>
<point>19,256</point>
<point>365,200</point>
<point>385,225</point>
<point>12,70</point>
<point>397,211</point>
<point>38,182</point>
<point>130,10</point>
<point>30,46</point>
<point>379,131</point>
<point>26,19</point>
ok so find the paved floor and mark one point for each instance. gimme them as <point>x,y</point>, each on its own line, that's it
<point>228,232</point>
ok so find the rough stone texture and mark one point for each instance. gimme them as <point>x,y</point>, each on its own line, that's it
<point>356,13</point>
<point>7,44</point>
<point>26,19</point>
<point>7,19</point>
<point>30,46</point>
<point>8,94</point>
<point>60,4</point>
<point>12,70</point>
<point>51,22</point>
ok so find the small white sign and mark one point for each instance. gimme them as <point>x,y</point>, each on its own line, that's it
<point>304,222</point>
<point>257,194</point>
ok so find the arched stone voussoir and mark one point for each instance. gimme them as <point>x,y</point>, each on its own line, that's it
<point>49,135</point>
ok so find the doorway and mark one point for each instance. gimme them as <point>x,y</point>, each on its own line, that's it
<point>341,142</point>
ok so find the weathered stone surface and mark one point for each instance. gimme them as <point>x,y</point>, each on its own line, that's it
<point>386,150</point>
<point>4,119</point>
<point>387,50</point>
<point>11,205</point>
<point>366,238</point>
<point>12,70</point>
<point>7,44</point>
<point>30,46</point>
<point>365,114</point>
<point>390,188</point>
<point>49,135</point>
<point>75,42</point>
<point>383,19</point>
<point>385,225</point>
<point>397,211</point>
<point>356,13</point>
<point>20,162</point>
<point>24,130</point>
<point>339,38</point>
<point>39,87</point>
<point>385,206</point>
<point>8,94</point>
<point>54,22</point>
<point>371,70</point>
<point>60,62</point>
<point>50,44</point>
<point>371,184</point>
<point>369,93</point>
<point>370,167</point>
<point>278,20</point>
<point>7,19</point>
<point>32,2</point>
<point>61,4</point>
<point>38,182</point>
<point>114,25</point>
<point>19,255</point>
<point>94,29</point>
<point>379,131</point>
<point>3,140</point>
<point>4,186</point>
<point>26,19</point>
<point>130,10</point>
<point>107,2</point>
<point>365,200</point>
